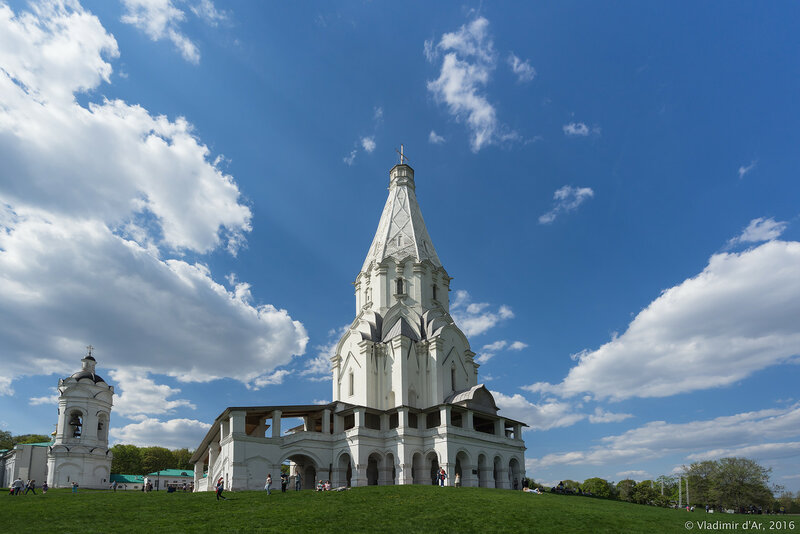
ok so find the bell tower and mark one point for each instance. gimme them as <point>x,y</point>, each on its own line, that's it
<point>80,452</point>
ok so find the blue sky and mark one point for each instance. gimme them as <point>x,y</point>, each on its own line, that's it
<point>191,187</point>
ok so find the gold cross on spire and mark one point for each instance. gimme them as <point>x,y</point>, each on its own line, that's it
<point>402,156</point>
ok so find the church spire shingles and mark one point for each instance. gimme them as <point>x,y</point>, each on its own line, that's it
<point>401,231</point>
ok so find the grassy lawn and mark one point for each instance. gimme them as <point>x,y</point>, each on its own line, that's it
<point>374,509</point>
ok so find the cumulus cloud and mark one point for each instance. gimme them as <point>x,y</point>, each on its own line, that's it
<point>636,474</point>
<point>435,138</point>
<point>576,129</point>
<point>523,69</point>
<point>368,143</point>
<point>94,204</point>
<point>469,58</point>
<point>172,434</point>
<point>475,318</point>
<point>488,351</point>
<point>318,369</point>
<point>549,414</point>
<point>602,416</point>
<point>46,399</point>
<point>757,432</point>
<point>732,319</point>
<point>745,169</point>
<point>567,199</point>
<point>162,19</point>
<point>518,345</point>
<point>138,394</point>
<point>763,451</point>
<point>759,230</point>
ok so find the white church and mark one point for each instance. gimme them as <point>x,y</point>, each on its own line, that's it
<point>78,451</point>
<point>406,397</point>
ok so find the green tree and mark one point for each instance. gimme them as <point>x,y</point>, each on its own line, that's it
<point>572,484</point>
<point>739,482</point>
<point>181,459</point>
<point>701,482</point>
<point>5,439</point>
<point>127,460</point>
<point>30,438</point>
<point>597,487</point>
<point>644,493</point>
<point>156,459</point>
<point>625,489</point>
<point>670,485</point>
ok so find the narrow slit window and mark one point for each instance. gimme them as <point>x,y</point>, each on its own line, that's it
<point>453,378</point>
<point>351,383</point>
<point>434,291</point>
<point>400,286</point>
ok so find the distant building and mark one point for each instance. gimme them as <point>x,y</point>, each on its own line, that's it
<point>127,482</point>
<point>171,477</point>
<point>27,461</point>
<point>79,452</point>
<point>406,397</point>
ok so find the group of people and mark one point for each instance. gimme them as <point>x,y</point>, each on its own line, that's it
<point>30,486</point>
<point>324,486</point>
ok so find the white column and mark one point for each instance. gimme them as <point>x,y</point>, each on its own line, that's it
<point>276,423</point>
<point>468,424</point>
<point>444,416</point>
<point>359,416</point>
<point>326,422</point>
<point>338,424</point>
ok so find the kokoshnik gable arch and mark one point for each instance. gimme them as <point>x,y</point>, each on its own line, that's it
<point>406,398</point>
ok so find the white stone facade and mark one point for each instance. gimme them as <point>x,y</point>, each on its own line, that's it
<point>80,451</point>
<point>406,398</point>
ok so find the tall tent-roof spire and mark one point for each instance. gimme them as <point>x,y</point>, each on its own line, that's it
<point>401,231</point>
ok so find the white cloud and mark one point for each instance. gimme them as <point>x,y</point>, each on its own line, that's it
<point>602,416</point>
<point>368,143</point>
<point>161,19</point>
<point>377,114</point>
<point>759,230</point>
<point>474,318</point>
<point>469,58</point>
<point>549,414</point>
<point>576,128</point>
<point>754,432</point>
<point>137,394</point>
<point>93,204</point>
<point>435,138</point>
<point>318,369</point>
<point>351,157</point>
<point>47,399</point>
<point>488,351</point>
<point>271,379</point>
<point>523,69</point>
<point>745,169</point>
<point>734,318</point>
<point>518,345</point>
<point>172,434</point>
<point>762,451</point>
<point>567,199</point>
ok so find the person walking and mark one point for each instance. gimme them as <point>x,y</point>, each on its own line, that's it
<point>284,482</point>
<point>458,480</point>
<point>17,486</point>
<point>74,487</point>
<point>220,487</point>
<point>44,487</point>
<point>297,483</point>
<point>31,487</point>
<point>268,485</point>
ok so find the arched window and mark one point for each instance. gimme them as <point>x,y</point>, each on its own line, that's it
<point>400,288</point>
<point>76,424</point>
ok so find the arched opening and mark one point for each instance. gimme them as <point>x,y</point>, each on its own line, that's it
<point>344,470</point>
<point>463,468</point>
<point>417,469</point>
<point>432,460</point>
<point>299,465</point>
<point>483,471</point>
<point>102,428</point>
<point>513,474</point>
<point>373,461</point>
<point>75,423</point>
<point>496,470</point>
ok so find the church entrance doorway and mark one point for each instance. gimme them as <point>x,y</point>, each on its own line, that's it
<point>372,469</point>
<point>513,474</point>
<point>417,469</point>
<point>434,469</point>
<point>344,470</point>
<point>300,464</point>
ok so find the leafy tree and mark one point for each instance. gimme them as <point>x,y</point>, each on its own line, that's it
<point>127,460</point>
<point>181,459</point>
<point>597,487</point>
<point>739,482</point>
<point>5,440</point>
<point>572,484</point>
<point>670,485</point>
<point>30,438</point>
<point>701,482</point>
<point>156,459</point>
<point>643,493</point>
<point>625,489</point>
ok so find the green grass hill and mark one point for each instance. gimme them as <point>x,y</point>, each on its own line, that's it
<point>382,509</point>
